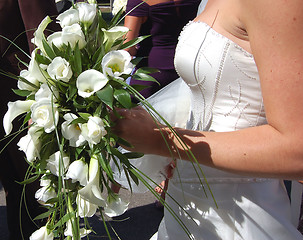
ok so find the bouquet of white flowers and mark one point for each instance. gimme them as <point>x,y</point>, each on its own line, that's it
<point>74,79</point>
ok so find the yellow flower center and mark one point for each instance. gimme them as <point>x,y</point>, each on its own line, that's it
<point>115,67</point>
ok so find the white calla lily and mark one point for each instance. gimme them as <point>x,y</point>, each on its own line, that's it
<point>115,206</point>
<point>60,69</point>
<point>87,12</point>
<point>72,35</point>
<point>35,70</point>
<point>92,192</point>
<point>113,34</point>
<point>14,110</point>
<point>68,17</point>
<point>42,234</point>
<point>89,82</point>
<point>85,208</point>
<point>78,171</point>
<point>30,143</point>
<point>45,114</point>
<point>116,63</point>
<point>72,132</point>
<point>93,130</point>
<point>57,162</point>
<point>39,35</point>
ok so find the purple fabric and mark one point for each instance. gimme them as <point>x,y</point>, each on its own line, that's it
<point>167,21</point>
<point>141,11</point>
<point>134,9</point>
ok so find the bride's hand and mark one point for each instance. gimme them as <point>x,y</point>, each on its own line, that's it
<point>139,129</point>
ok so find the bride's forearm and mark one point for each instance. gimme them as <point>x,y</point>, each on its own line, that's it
<point>259,151</point>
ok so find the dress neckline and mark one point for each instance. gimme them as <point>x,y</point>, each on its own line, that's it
<point>222,36</point>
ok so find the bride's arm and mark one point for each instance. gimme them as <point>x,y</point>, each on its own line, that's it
<point>274,150</point>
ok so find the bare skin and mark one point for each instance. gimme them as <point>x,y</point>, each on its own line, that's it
<point>272,31</point>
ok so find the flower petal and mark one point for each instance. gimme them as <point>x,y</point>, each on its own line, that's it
<point>14,110</point>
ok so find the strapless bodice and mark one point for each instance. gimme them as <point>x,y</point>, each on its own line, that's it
<point>223,79</point>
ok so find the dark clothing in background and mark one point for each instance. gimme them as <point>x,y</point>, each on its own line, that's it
<point>18,20</point>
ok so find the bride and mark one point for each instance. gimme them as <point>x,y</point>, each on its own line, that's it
<point>243,63</point>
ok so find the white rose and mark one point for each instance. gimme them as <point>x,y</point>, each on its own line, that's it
<point>57,162</point>
<point>47,93</point>
<point>89,82</point>
<point>78,171</point>
<point>30,143</point>
<point>72,132</point>
<point>68,17</point>
<point>85,208</point>
<point>60,69</point>
<point>116,63</point>
<point>93,130</point>
<point>23,85</point>
<point>73,34</point>
<point>14,110</point>
<point>42,234</point>
<point>45,114</point>
<point>87,12</point>
<point>44,194</point>
<point>56,39</point>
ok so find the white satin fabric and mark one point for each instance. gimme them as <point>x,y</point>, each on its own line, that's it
<point>225,96</point>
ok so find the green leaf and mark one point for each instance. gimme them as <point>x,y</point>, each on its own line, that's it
<point>65,218</point>
<point>133,42</point>
<point>57,51</point>
<point>123,142</point>
<point>84,115</point>
<point>27,118</point>
<point>42,59</point>
<point>72,90</point>
<point>106,95</point>
<point>29,180</point>
<point>22,93</point>
<point>102,22</point>
<point>123,97</point>
<point>135,61</point>
<point>147,70</point>
<point>44,215</point>
<point>119,155</point>
<point>134,177</point>
<point>49,51</point>
<point>132,155</point>
<point>116,18</point>
<point>77,59</point>
<point>144,77</point>
<point>78,120</point>
<point>105,167</point>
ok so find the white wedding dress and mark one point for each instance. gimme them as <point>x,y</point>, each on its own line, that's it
<point>222,93</point>
<point>225,96</point>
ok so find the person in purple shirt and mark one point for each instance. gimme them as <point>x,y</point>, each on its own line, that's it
<point>164,22</point>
